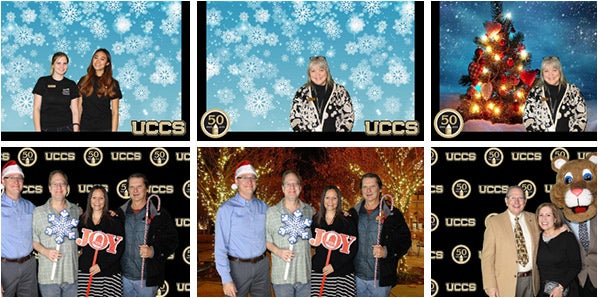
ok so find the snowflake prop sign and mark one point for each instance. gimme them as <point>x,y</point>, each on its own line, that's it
<point>295,226</point>
<point>62,226</point>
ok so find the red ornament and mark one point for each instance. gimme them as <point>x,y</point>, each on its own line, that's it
<point>475,70</point>
<point>503,78</point>
<point>528,77</point>
<point>520,47</point>
<point>510,62</point>
<point>503,43</point>
<point>492,28</point>
<point>478,52</point>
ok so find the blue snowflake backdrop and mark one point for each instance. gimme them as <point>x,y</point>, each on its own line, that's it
<point>257,56</point>
<point>564,29</point>
<point>144,39</point>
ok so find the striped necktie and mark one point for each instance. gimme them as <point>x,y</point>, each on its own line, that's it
<point>522,257</point>
<point>584,237</point>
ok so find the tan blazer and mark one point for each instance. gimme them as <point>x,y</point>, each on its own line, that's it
<point>588,259</point>
<point>499,254</point>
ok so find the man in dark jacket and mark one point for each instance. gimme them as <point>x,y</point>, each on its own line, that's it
<point>162,240</point>
<point>395,240</point>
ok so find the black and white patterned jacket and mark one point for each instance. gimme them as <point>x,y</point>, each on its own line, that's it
<point>537,115</point>
<point>304,115</point>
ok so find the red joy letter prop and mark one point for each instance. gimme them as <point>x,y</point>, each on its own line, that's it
<point>331,240</point>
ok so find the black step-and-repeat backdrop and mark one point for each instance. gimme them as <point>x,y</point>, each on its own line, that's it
<point>167,170</point>
<point>468,185</point>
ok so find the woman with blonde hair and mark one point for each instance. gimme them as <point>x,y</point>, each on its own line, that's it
<point>321,104</point>
<point>55,99</point>
<point>554,104</point>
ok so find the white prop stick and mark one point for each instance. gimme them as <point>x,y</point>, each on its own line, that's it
<point>147,221</point>
<point>54,262</point>
<point>286,268</point>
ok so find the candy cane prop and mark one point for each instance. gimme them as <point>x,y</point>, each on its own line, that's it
<point>61,226</point>
<point>295,227</point>
<point>324,275</point>
<point>97,240</point>
<point>380,222</point>
<point>148,220</point>
<point>331,240</point>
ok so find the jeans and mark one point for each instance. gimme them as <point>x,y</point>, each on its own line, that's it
<point>292,290</point>
<point>365,288</point>
<point>133,288</point>
<point>58,290</point>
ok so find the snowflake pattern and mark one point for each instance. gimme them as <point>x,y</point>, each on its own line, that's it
<point>296,227</point>
<point>261,51</point>
<point>259,103</point>
<point>143,37</point>
<point>62,226</point>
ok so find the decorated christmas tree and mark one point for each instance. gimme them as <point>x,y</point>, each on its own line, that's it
<point>498,81</point>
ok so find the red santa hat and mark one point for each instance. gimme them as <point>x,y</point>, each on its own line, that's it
<point>11,167</point>
<point>243,167</point>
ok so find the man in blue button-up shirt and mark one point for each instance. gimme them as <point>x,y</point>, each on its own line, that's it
<point>240,243</point>
<point>19,268</point>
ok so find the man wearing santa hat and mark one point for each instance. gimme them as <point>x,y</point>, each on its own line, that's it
<point>240,244</point>
<point>19,268</point>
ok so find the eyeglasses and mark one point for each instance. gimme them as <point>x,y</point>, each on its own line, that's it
<point>291,184</point>
<point>18,179</point>
<point>516,198</point>
<point>58,184</point>
<point>312,58</point>
<point>247,178</point>
<point>551,57</point>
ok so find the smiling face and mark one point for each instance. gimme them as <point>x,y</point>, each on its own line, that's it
<point>60,65</point>
<point>58,186</point>
<point>331,200</point>
<point>318,75</point>
<point>551,74</point>
<point>13,185</point>
<point>98,200</point>
<point>137,190</point>
<point>291,186</point>
<point>370,190</point>
<point>515,201</point>
<point>247,184</point>
<point>546,218</point>
<point>99,62</point>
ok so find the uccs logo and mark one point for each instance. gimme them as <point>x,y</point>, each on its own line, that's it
<point>163,290</point>
<point>434,288</point>
<point>461,254</point>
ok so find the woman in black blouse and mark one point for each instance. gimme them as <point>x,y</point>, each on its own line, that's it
<point>558,257</point>
<point>340,272</point>
<point>106,273</point>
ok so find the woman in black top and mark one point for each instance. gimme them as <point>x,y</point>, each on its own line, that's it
<point>55,99</point>
<point>100,94</point>
<point>321,104</point>
<point>554,104</point>
<point>340,272</point>
<point>106,280</point>
<point>558,256</point>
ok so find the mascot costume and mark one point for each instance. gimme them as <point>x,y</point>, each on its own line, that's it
<point>574,192</point>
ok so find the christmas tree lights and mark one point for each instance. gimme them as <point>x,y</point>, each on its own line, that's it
<point>497,80</point>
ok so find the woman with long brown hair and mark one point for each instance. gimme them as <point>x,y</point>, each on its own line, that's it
<point>100,94</point>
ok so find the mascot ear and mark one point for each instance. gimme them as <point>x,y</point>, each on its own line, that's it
<point>592,157</point>
<point>558,162</point>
